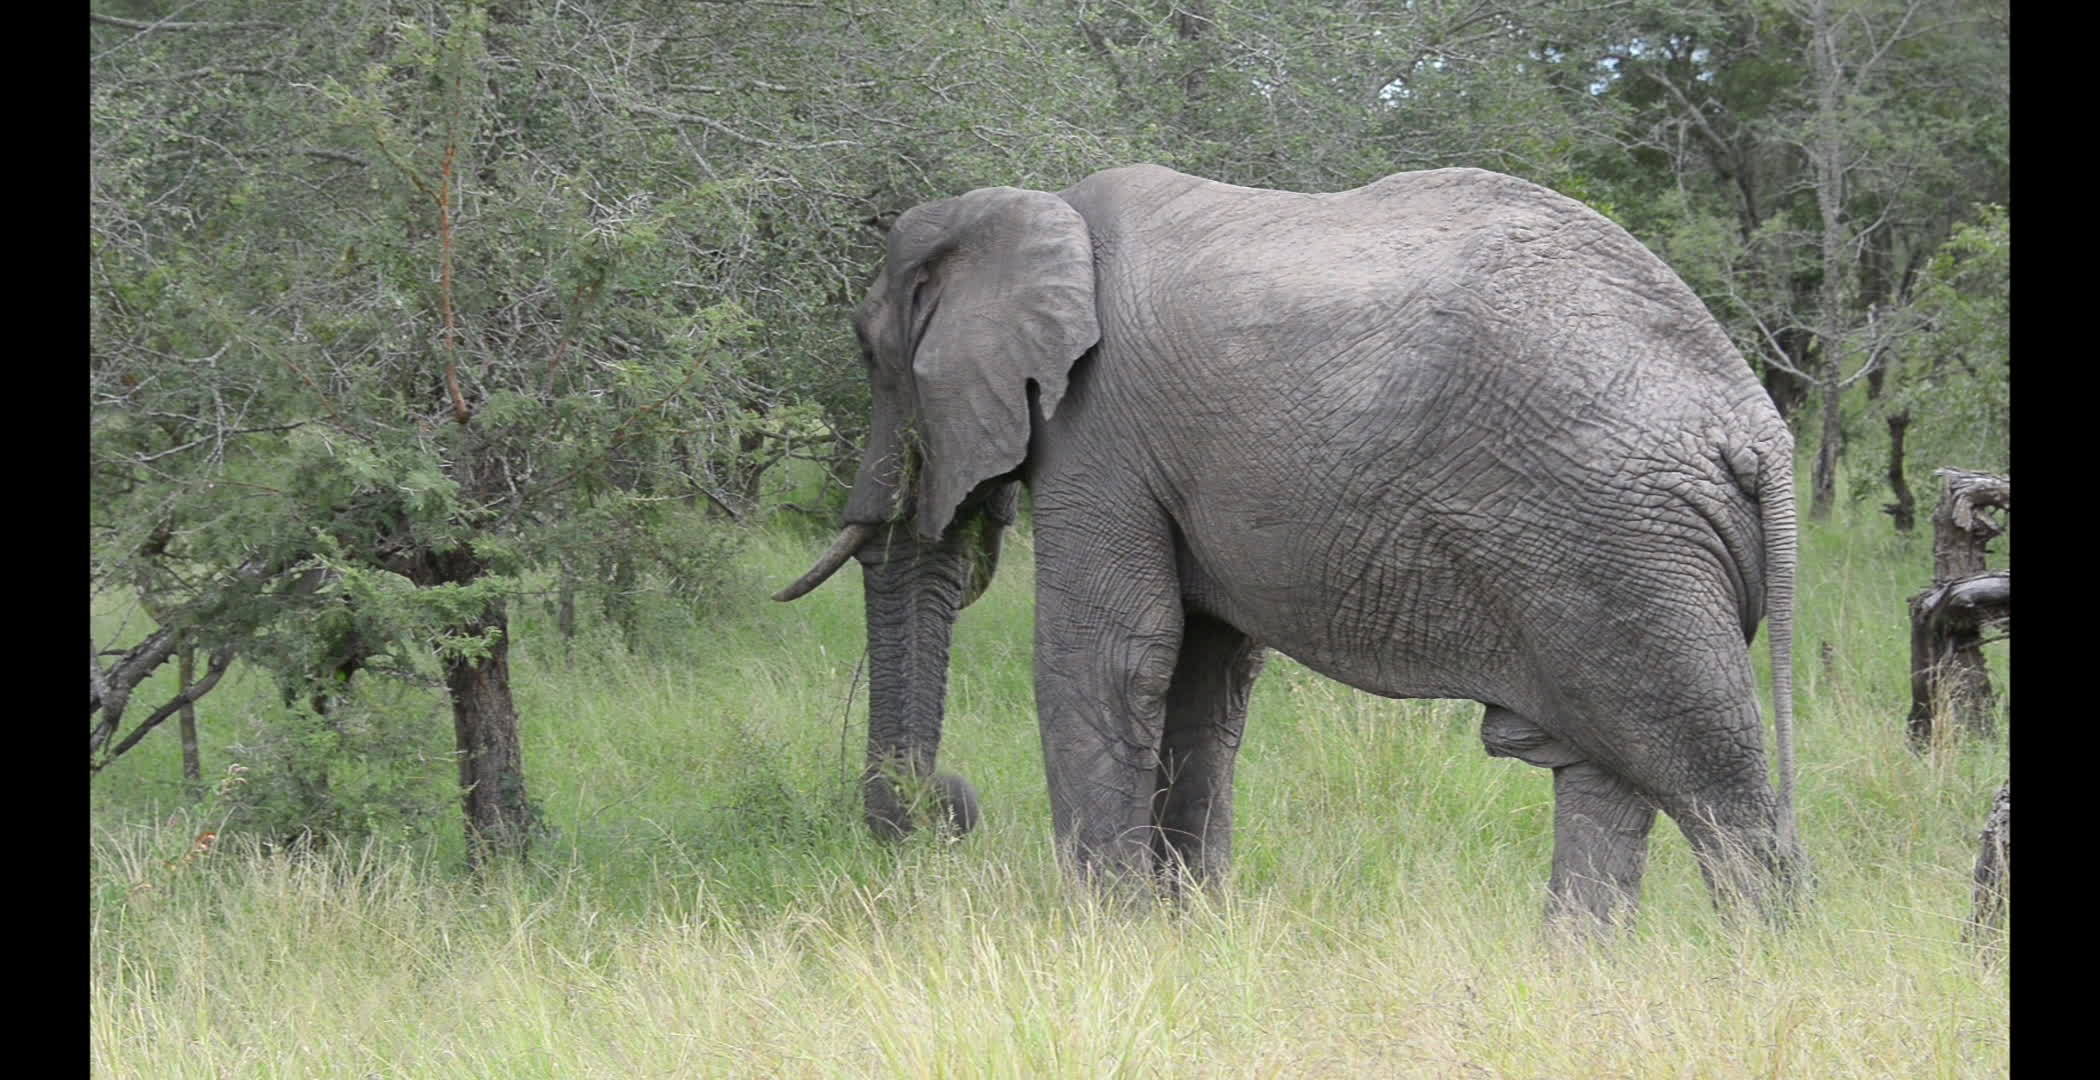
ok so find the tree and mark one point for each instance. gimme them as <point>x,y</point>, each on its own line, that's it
<point>369,344</point>
<point>1798,163</point>
<point>1953,372</point>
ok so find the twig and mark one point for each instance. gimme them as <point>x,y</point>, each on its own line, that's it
<point>561,347</point>
<point>147,459</point>
<point>846,714</point>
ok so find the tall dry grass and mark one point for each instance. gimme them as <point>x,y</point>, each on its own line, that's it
<point>708,905</point>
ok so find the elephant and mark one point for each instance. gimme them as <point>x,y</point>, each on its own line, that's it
<point>1446,435</point>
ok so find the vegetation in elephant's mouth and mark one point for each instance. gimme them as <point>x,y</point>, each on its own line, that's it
<point>909,468</point>
<point>711,895</point>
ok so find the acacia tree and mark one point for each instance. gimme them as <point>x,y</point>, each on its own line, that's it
<point>370,342</point>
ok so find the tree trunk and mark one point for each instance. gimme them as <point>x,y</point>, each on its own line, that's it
<point>192,767</point>
<point>1993,868</point>
<point>1827,163</point>
<point>565,603</point>
<point>500,817</point>
<point>1787,389</point>
<point>1947,668</point>
<point>621,604</point>
<point>1829,445</point>
<point>1192,24</point>
<point>1876,259</point>
<point>1905,508</point>
<point>1948,671</point>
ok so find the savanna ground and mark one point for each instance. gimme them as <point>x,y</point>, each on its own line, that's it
<point>706,902</point>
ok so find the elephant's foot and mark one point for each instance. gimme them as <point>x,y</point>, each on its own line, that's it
<point>898,805</point>
<point>1747,869</point>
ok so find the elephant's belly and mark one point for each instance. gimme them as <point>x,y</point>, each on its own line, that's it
<point>1397,627</point>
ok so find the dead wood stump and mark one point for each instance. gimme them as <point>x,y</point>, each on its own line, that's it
<point>1948,620</point>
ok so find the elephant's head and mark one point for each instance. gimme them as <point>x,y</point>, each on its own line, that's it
<point>983,305</point>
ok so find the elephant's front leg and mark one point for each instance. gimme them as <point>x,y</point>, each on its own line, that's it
<point>1206,711</point>
<point>1108,633</point>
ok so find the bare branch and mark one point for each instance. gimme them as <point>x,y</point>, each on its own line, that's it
<point>148,459</point>
<point>778,88</point>
<point>203,72</point>
<point>724,129</point>
<point>726,508</point>
<point>110,688</point>
<point>164,24</point>
<point>98,686</point>
<point>220,661</point>
<point>110,691</point>
<point>334,155</point>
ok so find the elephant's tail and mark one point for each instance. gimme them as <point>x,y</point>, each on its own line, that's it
<point>1782,555</point>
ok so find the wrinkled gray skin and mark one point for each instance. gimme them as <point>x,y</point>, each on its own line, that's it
<point>1449,435</point>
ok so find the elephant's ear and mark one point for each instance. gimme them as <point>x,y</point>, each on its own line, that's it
<point>995,289</point>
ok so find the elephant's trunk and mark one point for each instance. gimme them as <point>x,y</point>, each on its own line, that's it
<point>913,592</point>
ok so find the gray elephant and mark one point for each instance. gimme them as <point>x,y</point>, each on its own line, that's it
<point>1448,435</point>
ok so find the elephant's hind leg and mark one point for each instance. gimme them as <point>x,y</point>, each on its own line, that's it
<point>1206,711</point>
<point>1683,730</point>
<point>1600,824</point>
<point>1600,846</point>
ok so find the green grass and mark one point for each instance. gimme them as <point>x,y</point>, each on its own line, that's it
<point>708,903</point>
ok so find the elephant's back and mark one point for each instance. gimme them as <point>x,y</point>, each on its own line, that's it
<point>1453,266</point>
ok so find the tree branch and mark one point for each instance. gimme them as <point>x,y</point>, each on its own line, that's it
<point>724,129</point>
<point>110,689</point>
<point>220,661</point>
<point>334,155</point>
<point>164,24</point>
<point>148,459</point>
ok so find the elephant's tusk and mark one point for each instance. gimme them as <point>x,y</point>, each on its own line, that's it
<point>850,539</point>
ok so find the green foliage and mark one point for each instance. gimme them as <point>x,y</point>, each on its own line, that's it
<point>1956,373</point>
<point>1948,368</point>
<point>659,217</point>
<point>374,766</point>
